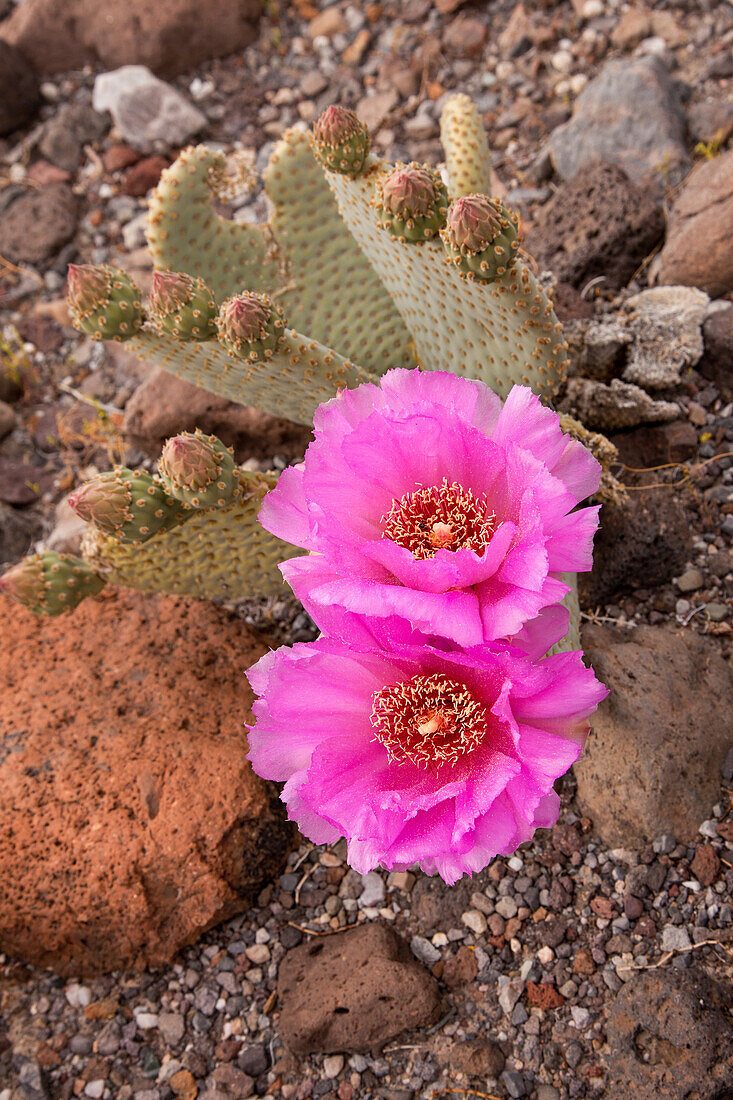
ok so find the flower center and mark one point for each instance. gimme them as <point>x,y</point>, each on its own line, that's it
<point>443,517</point>
<point>428,721</point>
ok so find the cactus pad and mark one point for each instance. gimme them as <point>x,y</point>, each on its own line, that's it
<point>219,553</point>
<point>466,148</point>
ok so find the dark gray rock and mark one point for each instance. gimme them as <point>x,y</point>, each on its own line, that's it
<point>37,224</point>
<point>20,95</point>
<point>629,115</point>
<point>65,134</point>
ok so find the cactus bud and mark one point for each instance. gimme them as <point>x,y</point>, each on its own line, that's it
<point>481,236</point>
<point>341,141</point>
<point>182,306</point>
<point>411,202</point>
<point>128,504</point>
<point>104,302</point>
<point>250,326</point>
<point>198,469</point>
<point>51,583</point>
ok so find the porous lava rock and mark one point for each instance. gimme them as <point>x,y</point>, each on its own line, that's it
<point>652,764</point>
<point>20,93</point>
<point>132,820</point>
<point>164,405</point>
<point>697,250</point>
<point>170,36</point>
<point>598,223</point>
<point>670,1038</point>
<point>353,991</point>
<point>641,543</point>
<point>37,223</point>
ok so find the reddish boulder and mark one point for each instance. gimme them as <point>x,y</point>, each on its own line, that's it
<point>164,405</point>
<point>170,36</point>
<point>132,820</point>
<point>353,991</point>
<point>697,251</point>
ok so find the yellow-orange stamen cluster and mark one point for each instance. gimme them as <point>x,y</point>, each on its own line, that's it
<point>442,517</point>
<point>428,721</point>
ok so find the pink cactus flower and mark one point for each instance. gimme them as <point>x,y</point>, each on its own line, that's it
<point>419,755</point>
<point>425,500</point>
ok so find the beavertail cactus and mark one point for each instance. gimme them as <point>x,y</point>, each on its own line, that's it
<point>51,583</point>
<point>198,470</point>
<point>362,267</point>
<point>341,141</point>
<point>129,504</point>
<point>104,302</point>
<point>182,306</point>
<point>411,202</point>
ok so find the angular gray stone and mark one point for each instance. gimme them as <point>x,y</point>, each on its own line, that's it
<point>665,324</point>
<point>653,761</point>
<point>67,132</point>
<point>607,408</point>
<point>629,115</point>
<point>148,113</point>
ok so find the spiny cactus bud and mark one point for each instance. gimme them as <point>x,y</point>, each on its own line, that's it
<point>250,326</point>
<point>198,469</point>
<point>341,141</point>
<point>50,583</point>
<point>481,236</point>
<point>129,504</point>
<point>182,306</point>
<point>411,202</point>
<point>104,302</point>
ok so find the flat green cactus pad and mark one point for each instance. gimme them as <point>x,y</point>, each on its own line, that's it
<point>466,148</point>
<point>504,332</point>
<point>292,382</point>
<point>219,553</point>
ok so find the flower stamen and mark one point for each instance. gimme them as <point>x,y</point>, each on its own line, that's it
<point>428,721</point>
<point>441,517</point>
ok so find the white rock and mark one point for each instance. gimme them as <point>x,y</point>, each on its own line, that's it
<point>95,1089</point>
<point>674,938</point>
<point>78,996</point>
<point>332,1065</point>
<point>475,920</point>
<point>373,891</point>
<point>665,323</point>
<point>146,1020</point>
<point>506,907</point>
<point>545,955</point>
<point>258,953</point>
<point>146,111</point>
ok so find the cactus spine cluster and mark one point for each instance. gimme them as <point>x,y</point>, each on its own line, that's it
<point>362,266</point>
